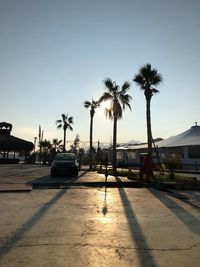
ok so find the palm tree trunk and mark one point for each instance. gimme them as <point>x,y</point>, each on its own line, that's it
<point>149,135</point>
<point>91,137</point>
<point>114,144</point>
<point>64,140</point>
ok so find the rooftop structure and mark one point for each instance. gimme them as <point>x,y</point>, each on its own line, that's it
<point>9,143</point>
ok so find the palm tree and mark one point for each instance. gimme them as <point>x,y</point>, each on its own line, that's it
<point>119,99</point>
<point>45,145</point>
<point>92,105</point>
<point>56,144</point>
<point>147,78</point>
<point>65,123</point>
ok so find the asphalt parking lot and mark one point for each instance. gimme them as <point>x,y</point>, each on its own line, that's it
<point>94,226</point>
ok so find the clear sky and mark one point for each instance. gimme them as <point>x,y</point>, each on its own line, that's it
<point>55,54</point>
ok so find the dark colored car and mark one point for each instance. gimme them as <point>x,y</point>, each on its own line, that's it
<point>64,164</point>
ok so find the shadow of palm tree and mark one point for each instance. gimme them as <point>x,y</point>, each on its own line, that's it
<point>10,242</point>
<point>144,252</point>
<point>190,221</point>
<point>105,207</point>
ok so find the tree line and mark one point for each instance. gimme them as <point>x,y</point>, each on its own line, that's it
<point>147,79</point>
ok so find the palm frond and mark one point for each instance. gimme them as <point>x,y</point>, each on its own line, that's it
<point>70,120</point>
<point>139,80</point>
<point>154,91</point>
<point>126,86</point>
<point>106,96</point>
<point>59,126</point>
<point>109,113</point>
<point>58,121</point>
<point>125,101</point>
<point>95,104</point>
<point>157,79</point>
<point>146,71</point>
<point>63,117</point>
<point>127,104</point>
<point>70,127</point>
<point>87,104</point>
<point>109,84</point>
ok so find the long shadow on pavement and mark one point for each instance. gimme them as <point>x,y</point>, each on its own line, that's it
<point>48,180</point>
<point>190,221</point>
<point>145,256</point>
<point>10,242</point>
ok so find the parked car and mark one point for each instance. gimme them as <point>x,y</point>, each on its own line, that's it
<point>64,164</point>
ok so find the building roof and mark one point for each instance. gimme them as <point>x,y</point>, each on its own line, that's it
<point>190,137</point>
<point>12,143</point>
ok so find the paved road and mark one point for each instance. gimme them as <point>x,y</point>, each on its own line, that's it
<point>16,176</point>
<point>97,227</point>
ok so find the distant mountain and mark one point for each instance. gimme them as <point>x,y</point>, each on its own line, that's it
<point>130,143</point>
<point>133,142</point>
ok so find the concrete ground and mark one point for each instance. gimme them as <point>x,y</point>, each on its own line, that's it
<point>94,226</point>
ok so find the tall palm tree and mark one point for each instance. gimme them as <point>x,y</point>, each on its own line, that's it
<point>92,105</point>
<point>147,78</point>
<point>65,123</point>
<point>119,100</point>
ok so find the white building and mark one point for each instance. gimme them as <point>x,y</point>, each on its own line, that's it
<point>185,146</point>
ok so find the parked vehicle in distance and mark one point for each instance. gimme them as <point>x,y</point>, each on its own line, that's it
<point>64,164</point>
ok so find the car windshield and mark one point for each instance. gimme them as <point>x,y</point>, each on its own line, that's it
<point>64,157</point>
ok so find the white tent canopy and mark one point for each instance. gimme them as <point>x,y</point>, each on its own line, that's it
<point>190,137</point>
<point>186,144</point>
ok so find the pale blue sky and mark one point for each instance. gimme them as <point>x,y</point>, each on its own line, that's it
<point>55,54</point>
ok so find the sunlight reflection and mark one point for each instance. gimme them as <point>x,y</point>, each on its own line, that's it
<point>104,105</point>
<point>101,111</point>
<point>106,195</point>
<point>106,219</point>
<point>106,200</point>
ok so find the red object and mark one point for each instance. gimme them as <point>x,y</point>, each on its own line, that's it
<point>145,167</point>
